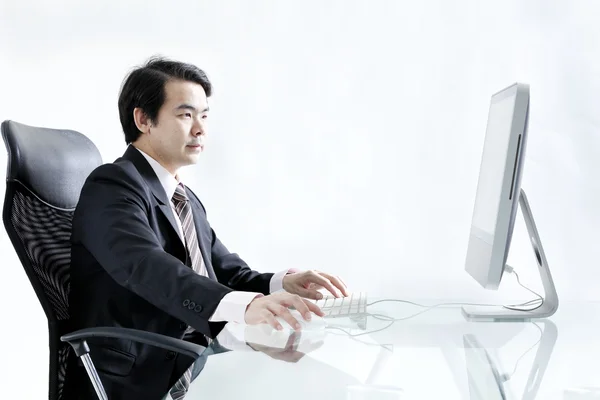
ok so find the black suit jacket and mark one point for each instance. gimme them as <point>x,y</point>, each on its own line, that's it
<point>128,269</point>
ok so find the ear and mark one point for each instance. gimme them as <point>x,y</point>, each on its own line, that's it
<point>142,122</point>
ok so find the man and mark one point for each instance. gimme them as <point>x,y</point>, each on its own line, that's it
<point>144,255</point>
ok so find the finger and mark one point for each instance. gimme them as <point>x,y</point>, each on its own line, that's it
<point>337,282</point>
<point>310,293</point>
<point>291,340</point>
<point>284,312</point>
<point>314,308</point>
<point>271,320</point>
<point>300,305</point>
<point>323,281</point>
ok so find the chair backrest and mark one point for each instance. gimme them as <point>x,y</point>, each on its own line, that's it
<point>46,171</point>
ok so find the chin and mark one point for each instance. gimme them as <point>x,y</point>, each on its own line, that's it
<point>193,159</point>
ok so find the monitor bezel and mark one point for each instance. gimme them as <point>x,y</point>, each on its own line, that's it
<point>487,269</point>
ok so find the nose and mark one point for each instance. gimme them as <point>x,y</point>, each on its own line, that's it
<point>198,128</point>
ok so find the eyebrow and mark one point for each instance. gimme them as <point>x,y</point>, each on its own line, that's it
<point>185,106</point>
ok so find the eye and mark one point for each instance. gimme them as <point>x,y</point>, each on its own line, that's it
<point>204,116</point>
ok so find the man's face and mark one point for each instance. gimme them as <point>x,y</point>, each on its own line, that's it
<point>177,136</point>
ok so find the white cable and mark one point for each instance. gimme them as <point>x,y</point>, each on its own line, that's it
<point>508,269</point>
<point>391,320</point>
<point>514,306</point>
<point>508,376</point>
<point>387,346</point>
<point>505,377</point>
<point>353,335</point>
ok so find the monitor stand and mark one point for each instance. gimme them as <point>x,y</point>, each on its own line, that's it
<point>542,357</point>
<point>538,367</point>
<point>550,300</point>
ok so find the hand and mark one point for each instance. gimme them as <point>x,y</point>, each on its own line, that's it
<point>265,309</point>
<point>307,284</point>
<point>288,354</point>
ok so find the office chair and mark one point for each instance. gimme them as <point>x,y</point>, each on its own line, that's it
<point>46,172</point>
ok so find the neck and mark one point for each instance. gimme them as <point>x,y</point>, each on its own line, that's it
<point>149,150</point>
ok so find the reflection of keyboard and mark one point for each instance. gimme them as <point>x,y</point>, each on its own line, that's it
<point>354,304</point>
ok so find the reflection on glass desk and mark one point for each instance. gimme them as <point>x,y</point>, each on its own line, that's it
<point>435,354</point>
<point>484,371</point>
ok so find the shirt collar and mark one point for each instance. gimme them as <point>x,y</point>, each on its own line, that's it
<point>168,181</point>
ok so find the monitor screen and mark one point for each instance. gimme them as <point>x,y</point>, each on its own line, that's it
<point>498,186</point>
<point>491,173</point>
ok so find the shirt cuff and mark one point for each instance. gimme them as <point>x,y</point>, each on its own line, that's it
<point>233,306</point>
<point>276,283</point>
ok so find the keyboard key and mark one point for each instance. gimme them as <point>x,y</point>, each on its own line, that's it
<point>354,304</point>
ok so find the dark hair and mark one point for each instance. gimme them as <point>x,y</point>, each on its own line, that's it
<point>144,87</point>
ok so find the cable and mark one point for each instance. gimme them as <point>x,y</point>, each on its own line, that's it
<point>391,320</point>
<point>380,317</point>
<point>387,346</point>
<point>353,335</point>
<point>509,376</point>
<point>434,306</point>
<point>514,307</point>
<point>505,377</point>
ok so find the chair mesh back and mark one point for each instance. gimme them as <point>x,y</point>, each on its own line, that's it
<point>46,171</point>
<point>45,232</point>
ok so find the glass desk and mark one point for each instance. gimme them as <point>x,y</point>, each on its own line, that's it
<point>436,354</point>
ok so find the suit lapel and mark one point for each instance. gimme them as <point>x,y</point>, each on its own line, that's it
<point>168,213</point>
<point>164,204</point>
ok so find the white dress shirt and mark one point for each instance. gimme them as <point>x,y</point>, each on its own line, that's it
<point>233,305</point>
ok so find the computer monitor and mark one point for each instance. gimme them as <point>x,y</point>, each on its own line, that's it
<point>497,197</point>
<point>498,186</point>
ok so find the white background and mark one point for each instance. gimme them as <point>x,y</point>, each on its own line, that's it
<point>344,135</point>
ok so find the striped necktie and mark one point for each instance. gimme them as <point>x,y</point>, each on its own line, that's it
<point>184,211</point>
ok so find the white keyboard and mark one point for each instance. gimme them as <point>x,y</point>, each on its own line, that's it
<point>353,305</point>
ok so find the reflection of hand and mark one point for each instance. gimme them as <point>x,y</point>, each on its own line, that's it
<point>289,353</point>
<point>265,309</point>
<point>307,284</point>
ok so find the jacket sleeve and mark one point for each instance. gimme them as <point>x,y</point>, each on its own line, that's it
<point>235,273</point>
<point>231,270</point>
<point>112,223</point>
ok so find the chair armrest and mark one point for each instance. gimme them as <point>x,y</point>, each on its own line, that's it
<point>75,339</point>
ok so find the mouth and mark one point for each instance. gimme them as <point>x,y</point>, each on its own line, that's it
<point>196,146</point>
